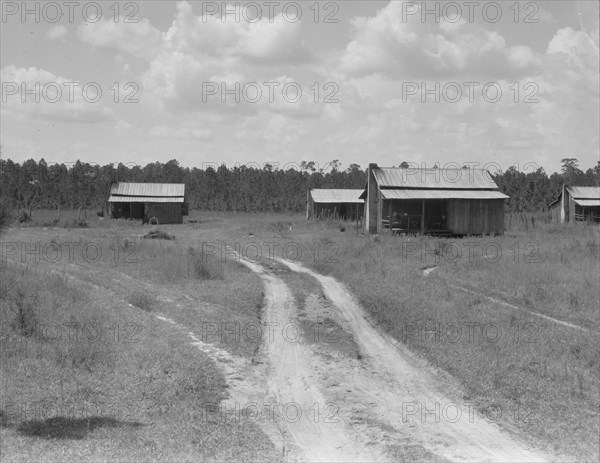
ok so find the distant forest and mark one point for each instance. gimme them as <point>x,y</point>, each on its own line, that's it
<point>37,185</point>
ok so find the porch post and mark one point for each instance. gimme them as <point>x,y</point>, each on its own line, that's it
<point>423,218</point>
<point>307,203</point>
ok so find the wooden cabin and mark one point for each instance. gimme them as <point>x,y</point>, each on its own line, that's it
<point>163,201</point>
<point>342,204</point>
<point>443,202</point>
<point>576,204</point>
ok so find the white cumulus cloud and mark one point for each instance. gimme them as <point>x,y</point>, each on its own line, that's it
<point>39,94</point>
<point>57,32</point>
<point>139,39</point>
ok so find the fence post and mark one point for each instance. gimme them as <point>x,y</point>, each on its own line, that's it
<point>524,217</point>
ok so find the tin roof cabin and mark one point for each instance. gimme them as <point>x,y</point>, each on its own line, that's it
<point>162,201</point>
<point>442,202</point>
<point>576,204</point>
<point>343,204</point>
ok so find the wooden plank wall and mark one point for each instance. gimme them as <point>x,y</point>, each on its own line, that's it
<point>372,204</point>
<point>572,210</point>
<point>476,216</point>
<point>379,211</point>
<point>555,212</point>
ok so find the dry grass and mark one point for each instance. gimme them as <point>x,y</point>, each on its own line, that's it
<point>67,218</point>
<point>142,300</point>
<point>116,257</point>
<point>319,322</point>
<point>544,376</point>
<point>89,374</point>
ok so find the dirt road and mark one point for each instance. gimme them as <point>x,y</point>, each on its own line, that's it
<point>456,438</point>
<point>311,434</point>
<point>399,402</point>
<point>390,406</point>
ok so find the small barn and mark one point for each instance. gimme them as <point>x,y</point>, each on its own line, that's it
<point>441,202</point>
<point>576,204</point>
<point>344,204</point>
<point>163,201</point>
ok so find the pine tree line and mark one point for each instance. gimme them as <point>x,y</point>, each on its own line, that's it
<point>38,185</point>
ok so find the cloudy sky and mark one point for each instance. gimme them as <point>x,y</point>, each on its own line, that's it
<point>358,81</point>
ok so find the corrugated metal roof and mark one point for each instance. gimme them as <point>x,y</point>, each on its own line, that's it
<point>336,196</point>
<point>585,192</point>
<point>145,199</point>
<point>441,194</point>
<point>587,202</point>
<point>148,189</point>
<point>412,177</point>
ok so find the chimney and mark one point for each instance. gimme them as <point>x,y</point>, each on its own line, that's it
<point>372,200</point>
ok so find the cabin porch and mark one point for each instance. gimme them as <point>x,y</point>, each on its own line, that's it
<point>415,216</point>
<point>442,217</point>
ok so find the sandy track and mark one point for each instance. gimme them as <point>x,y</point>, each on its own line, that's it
<point>291,380</point>
<point>400,392</point>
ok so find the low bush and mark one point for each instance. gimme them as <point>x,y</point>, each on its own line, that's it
<point>158,235</point>
<point>142,300</point>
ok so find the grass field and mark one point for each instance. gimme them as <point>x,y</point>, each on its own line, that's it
<point>89,373</point>
<point>525,371</point>
<point>476,318</point>
<point>532,375</point>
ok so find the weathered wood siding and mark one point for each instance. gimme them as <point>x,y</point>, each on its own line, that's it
<point>310,206</point>
<point>379,210</point>
<point>571,209</point>
<point>555,212</point>
<point>475,216</point>
<point>372,204</point>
